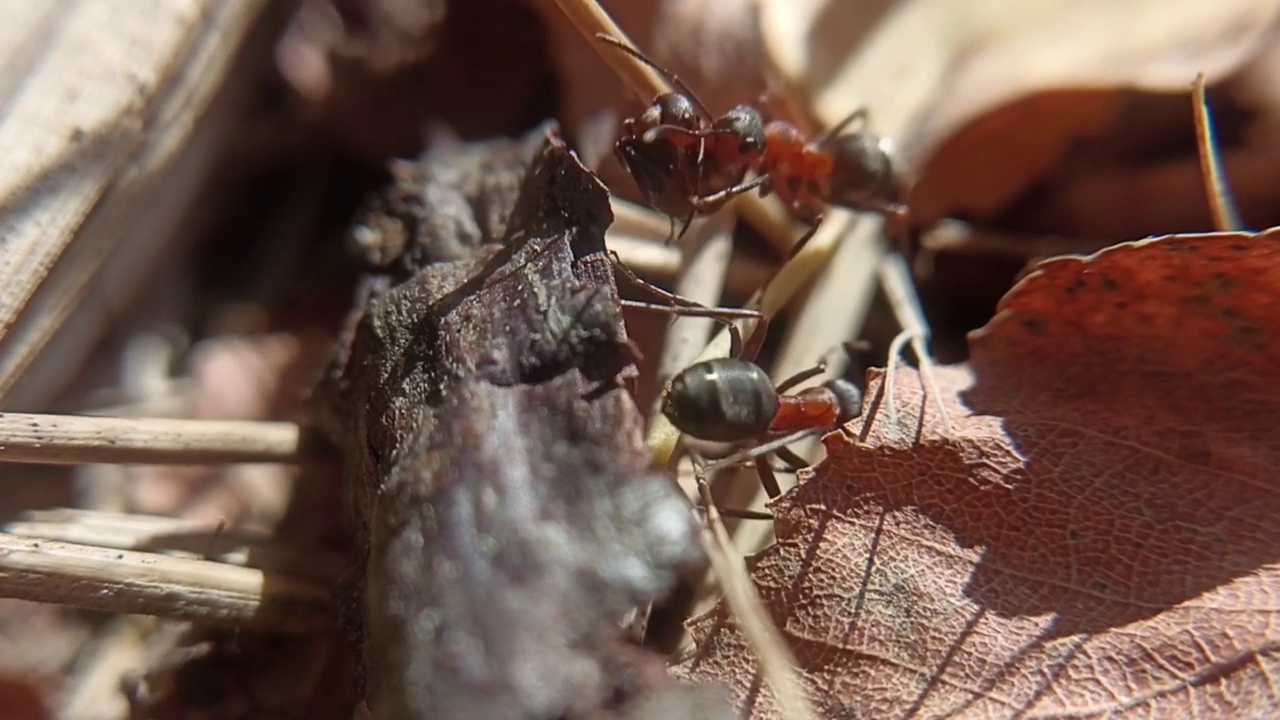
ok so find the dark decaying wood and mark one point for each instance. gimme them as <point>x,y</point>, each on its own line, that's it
<point>509,510</point>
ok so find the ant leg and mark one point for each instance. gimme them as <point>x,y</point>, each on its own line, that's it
<point>677,305</point>
<point>768,480</point>
<point>805,238</point>
<point>709,203</point>
<point>685,227</point>
<point>801,376</point>
<point>762,449</point>
<point>737,514</point>
<point>897,220</point>
<point>666,130</point>
<point>794,462</point>
<point>735,335</point>
<point>704,494</point>
<point>850,347</point>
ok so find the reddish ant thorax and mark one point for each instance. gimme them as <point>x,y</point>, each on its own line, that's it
<point>799,172</point>
<point>827,406</point>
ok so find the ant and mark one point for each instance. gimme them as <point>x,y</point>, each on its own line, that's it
<point>687,162</point>
<point>733,400</point>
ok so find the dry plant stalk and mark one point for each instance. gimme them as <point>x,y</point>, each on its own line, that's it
<point>1226,218</point>
<point>125,581</point>
<point>74,439</point>
<point>776,660</point>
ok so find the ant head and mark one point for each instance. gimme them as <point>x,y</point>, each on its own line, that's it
<point>863,168</point>
<point>848,399</point>
<point>671,109</point>
<point>744,123</point>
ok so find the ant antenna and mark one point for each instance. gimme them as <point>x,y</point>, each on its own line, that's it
<point>680,85</point>
<point>834,131</point>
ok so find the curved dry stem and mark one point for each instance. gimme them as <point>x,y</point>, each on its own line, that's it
<point>1226,218</point>
<point>777,662</point>
<point>589,18</point>
<point>895,278</point>
<point>834,311</point>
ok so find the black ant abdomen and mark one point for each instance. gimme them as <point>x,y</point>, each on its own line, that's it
<point>721,400</point>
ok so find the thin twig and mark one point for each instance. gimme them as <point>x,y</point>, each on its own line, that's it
<point>176,536</point>
<point>75,439</point>
<point>777,663</point>
<point>119,649</point>
<point>895,278</point>
<point>1226,218</point>
<point>955,236</point>
<point>589,18</point>
<point>124,581</point>
<point>634,219</point>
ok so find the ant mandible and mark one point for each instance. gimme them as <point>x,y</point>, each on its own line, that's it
<point>733,400</point>
<point>687,163</point>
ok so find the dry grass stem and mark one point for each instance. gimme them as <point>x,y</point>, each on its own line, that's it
<point>176,536</point>
<point>634,219</point>
<point>777,663</point>
<point>589,18</point>
<point>954,236</point>
<point>124,581</point>
<point>120,650</point>
<point>1226,218</point>
<point>74,439</point>
<point>895,278</point>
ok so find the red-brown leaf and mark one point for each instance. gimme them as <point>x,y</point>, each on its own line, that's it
<point>1097,536</point>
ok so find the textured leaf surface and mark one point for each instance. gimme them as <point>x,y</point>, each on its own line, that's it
<point>1099,534</point>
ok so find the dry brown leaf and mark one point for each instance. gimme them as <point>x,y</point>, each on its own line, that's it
<point>1099,535</point>
<point>1032,77</point>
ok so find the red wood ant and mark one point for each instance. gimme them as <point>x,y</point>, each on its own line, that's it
<point>687,162</point>
<point>733,400</point>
